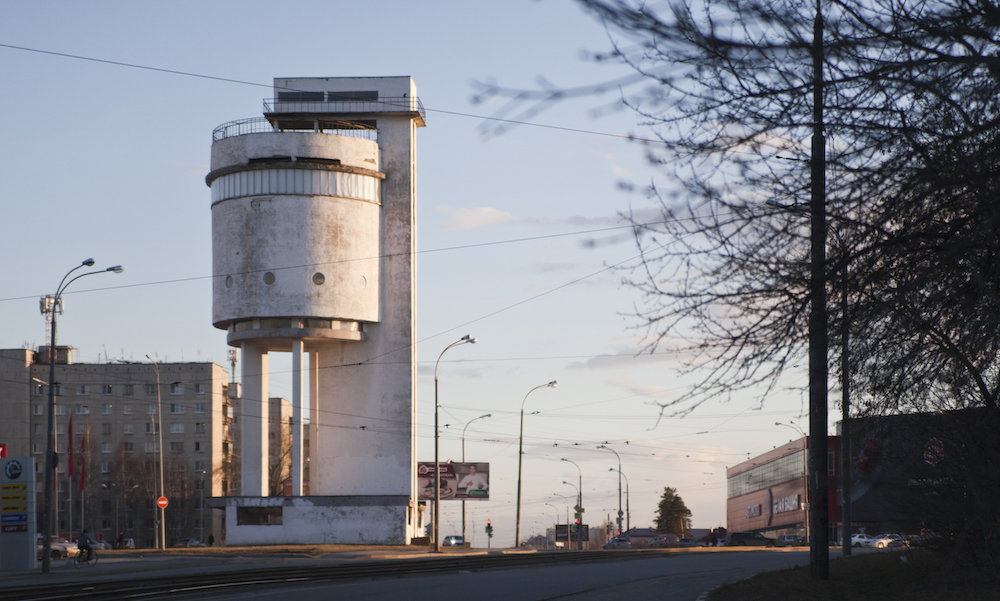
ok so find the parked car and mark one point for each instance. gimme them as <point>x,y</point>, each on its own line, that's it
<point>790,540</point>
<point>61,548</point>
<point>453,541</point>
<point>618,543</point>
<point>890,540</point>
<point>664,540</point>
<point>189,542</point>
<point>862,540</point>
<point>691,542</point>
<point>748,539</point>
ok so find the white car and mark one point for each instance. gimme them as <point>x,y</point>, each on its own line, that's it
<point>862,540</point>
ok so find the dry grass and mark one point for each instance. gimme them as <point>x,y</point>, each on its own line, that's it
<point>916,575</point>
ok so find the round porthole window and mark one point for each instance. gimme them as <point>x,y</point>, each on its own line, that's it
<point>318,278</point>
<point>269,278</point>
<point>229,281</point>
<point>362,281</point>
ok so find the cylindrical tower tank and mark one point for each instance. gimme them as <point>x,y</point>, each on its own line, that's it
<point>295,230</point>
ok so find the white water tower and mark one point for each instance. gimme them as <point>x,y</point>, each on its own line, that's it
<point>313,227</point>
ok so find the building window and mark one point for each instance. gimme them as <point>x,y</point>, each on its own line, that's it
<point>199,389</point>
<point>176,408</point>
<point>106,409</point>
<point>127,409</point>
<point>105,447</point>
<point>83,409</point>
<point>152,409</point>
<point>39,389</point>
<point>60,410</point>
<point>152,447</point>
<point>83,389</point>
<point>197,447</point>
<point>150,388</point>
<point>39,409</point>
<point>36,448</point>
<point>152,428</point>
<point>128,389</point>
<point>37,428</point>
<point>129,447</point>
<point>177,447</point>
<point>105,524</point>
<point>106,429</point>
<point>198,485</point>
<point>106,389</point>
<point>176,428</point>
<point>61,448</point>
<point>199,466</point>
<point>60,428</point>
<point>177,388</point>
<point>128,428</point>
<point>199,407</point>
<point>81,428</point>
<point>57,389</point>
<point>199,428</point>
<point>105,467</point>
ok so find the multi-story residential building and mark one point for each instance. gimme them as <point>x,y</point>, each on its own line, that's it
<point>119,412</point>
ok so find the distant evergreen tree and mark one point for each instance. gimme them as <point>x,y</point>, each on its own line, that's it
<point>672,515</point>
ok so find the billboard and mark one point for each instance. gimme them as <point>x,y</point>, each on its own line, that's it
<point>459,481</point>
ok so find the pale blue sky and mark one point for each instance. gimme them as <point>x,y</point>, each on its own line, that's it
<point>108,162</point>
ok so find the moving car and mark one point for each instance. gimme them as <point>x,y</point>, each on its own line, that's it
<point>189,542</point>
<point>862,540</point>
<point>790,540</point>
<point>691,542</point>
<point>618,543</point>
<point>453,541</point>
<point>664,540</point>
<point>890,540</point>
<point>748,539</point>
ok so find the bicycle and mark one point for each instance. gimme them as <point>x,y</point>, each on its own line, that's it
<point>83,557</point>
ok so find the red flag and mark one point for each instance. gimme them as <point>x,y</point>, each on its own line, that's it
<point>71,470</point>
<point>83,464</point>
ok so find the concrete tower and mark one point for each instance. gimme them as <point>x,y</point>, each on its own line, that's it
<point>313,225</point>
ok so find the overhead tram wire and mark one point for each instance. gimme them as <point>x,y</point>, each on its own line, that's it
<point>385,256</point>
<point>271,86</point>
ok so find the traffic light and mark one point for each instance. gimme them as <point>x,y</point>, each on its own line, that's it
<point>489,529</point>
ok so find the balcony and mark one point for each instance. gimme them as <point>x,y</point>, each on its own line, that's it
<point>258,125</point>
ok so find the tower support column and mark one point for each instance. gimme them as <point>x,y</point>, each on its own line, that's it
<point>253,417</point>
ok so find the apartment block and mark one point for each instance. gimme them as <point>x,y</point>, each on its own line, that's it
<point>120,412</point>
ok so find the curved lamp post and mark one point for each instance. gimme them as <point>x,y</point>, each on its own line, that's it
<point>565,498</point>
<point>628,513</point>
<point>51,459</point>
<point>520,455</point>
<point>434,547</point>
<point>463,461</point>
<point>579,496</point>
<point>620,512</point>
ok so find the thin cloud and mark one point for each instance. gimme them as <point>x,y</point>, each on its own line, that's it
<point>477,217</point>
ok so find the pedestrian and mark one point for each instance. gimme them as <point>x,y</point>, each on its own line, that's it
<point>211,540</point>
<point>120,543</point>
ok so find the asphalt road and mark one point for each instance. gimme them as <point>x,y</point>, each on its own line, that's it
<point>678,578</point>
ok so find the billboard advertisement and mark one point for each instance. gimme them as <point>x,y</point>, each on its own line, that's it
<point>459,481</point>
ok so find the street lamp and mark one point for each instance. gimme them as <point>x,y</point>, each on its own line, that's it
<point>520,455</point>
<point>51,458</point>
<point>159,444</point>
<point>620,512</point>
<point>805,470</point>
<point>434,547</point>
<point>463,461</point>
<point>579,496</point>
<point>628,512</point>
